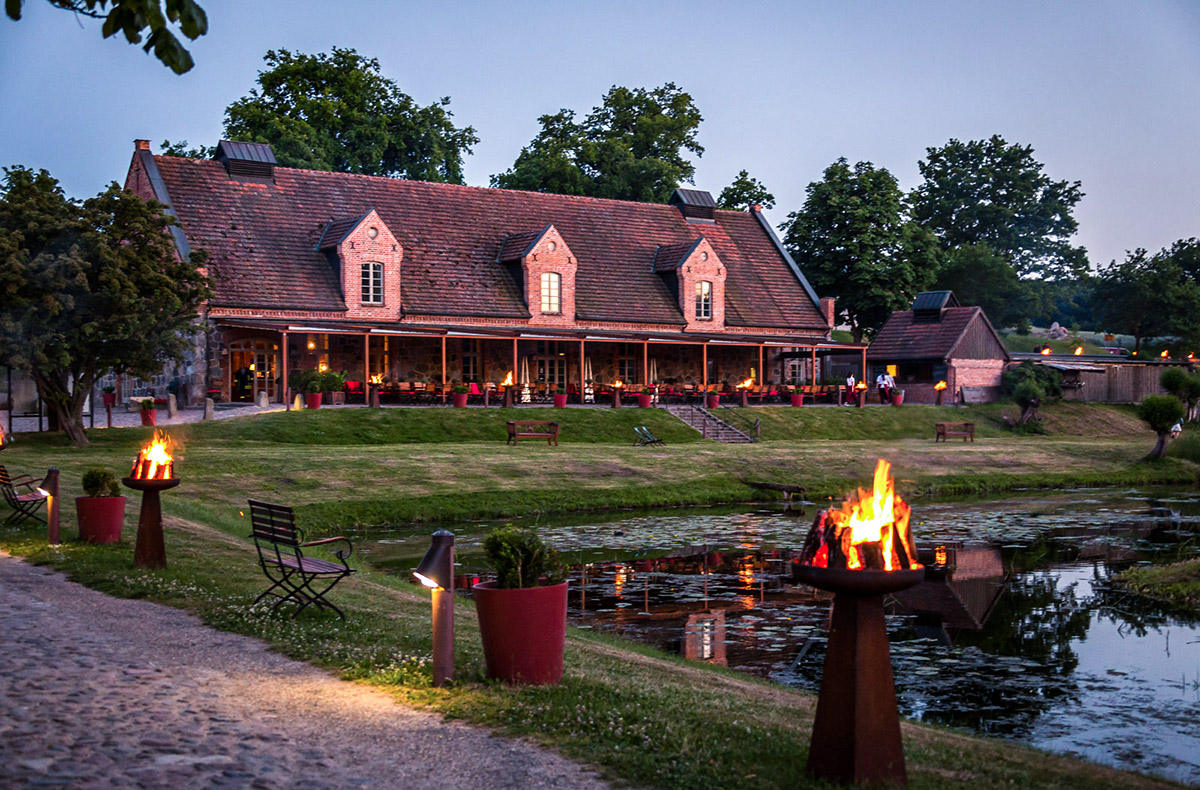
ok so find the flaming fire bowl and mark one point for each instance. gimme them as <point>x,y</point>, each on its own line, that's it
<point>856,734</point>
<point>150,551</point>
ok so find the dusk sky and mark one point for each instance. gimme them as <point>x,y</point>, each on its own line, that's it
<point>1105,92</point>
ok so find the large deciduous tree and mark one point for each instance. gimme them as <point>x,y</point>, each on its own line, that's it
<point>745,192</point>
<point>1148,296</point>
<point>132,18</point>
<point>632,147</point>
<point>338,112</point>
<point>88,288</point>
<point>995,193</point>
<point>855,242</point>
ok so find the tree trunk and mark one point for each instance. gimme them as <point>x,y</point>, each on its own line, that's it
<point>66,406</point>
<point>1160,448</point>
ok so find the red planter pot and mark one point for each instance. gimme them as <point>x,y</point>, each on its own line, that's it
<point>460,399</point>
<point>644,401</point>
<point>100,518</point>
<point>110,398</point>
<point>797,399</point>
<point>524,632</point>
<point>149,417</point>
<point>560,400</point>
<point>897,398</point>
<point>712,401</point>
<point>312,400</point>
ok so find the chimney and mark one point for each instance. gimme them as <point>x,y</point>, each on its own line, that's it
<point>827,307</point>
<point>754,208</point>
<point>141,145</point>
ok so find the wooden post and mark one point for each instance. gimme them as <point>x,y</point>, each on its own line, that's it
<point>582,381</point>
<point>443,368</point>
<point>814,366</point>
<point>514,367</point>
<point>760,364</point>
<point>704,366</point>
<point>864,365</point>
<point>366,362</point>
<point>286,392</point>
<point>645,363</point>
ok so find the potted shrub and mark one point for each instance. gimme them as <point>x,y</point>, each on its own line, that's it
<point>110,396</point>
<point>560,397</point>
<point>147,412</point>
<point>101,509</point>
<point>797,395</point>
<point>712,399</point>
<point>333,383</point>
<point>312,390</point>
<point>460,393</point>
<point>644,397</point>
<point>523,614</point>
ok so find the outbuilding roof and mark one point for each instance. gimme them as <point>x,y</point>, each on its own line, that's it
<point>905,336</point>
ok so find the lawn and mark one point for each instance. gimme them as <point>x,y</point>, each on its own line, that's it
<point>642,717</point>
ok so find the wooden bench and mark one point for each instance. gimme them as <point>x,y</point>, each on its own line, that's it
<point>533,429</point>
<point>946,429</point>
<point>295,578</point>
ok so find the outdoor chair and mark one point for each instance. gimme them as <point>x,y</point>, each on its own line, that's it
<point>645,437</point>
<point>24,504</point>
<point>296,578</point>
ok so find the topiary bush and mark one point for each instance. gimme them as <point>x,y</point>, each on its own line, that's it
<point>1160,412</point>
<point>98,481</point>
<point>1047,379</point>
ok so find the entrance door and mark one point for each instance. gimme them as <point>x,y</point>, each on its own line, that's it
<point>252,369</point>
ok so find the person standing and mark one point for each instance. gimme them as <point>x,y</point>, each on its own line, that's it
<point>882,386</point>
<point>850,395</point>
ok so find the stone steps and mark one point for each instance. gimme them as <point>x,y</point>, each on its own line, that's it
<point>708,424</point>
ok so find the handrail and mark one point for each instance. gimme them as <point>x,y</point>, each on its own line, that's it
<point>750,427</point>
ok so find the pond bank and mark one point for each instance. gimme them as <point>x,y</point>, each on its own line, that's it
<point>1177,584</point>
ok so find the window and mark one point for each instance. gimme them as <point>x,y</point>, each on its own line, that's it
<point>551,292</point>
<point>704,299</point>
<point>372,283</point>
<point>470,360</point>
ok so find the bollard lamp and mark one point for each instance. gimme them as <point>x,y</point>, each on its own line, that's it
<point>436,571</point>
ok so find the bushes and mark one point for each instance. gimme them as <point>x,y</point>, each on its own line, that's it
<point>1160,412</point>
<point>1048,380</point>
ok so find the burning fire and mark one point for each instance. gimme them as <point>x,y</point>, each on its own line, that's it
<point>869,531</point>
<point>1078,350</point>
<point>507,380</point>
<point>1165,354</point>
<point>1046,351</point>
<point>941,385</point>
<point>862,385</point>
<point>747,383</point>
<point>939,555</point>
<point>618,383</point>
<point>155,461</point>
<point>376,378</point>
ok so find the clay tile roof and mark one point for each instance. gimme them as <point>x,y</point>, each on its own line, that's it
<point>337,230</point>
<point>517,245</point>
<point>668,256</point>
<point>262,239</point>
<point>903,338</point>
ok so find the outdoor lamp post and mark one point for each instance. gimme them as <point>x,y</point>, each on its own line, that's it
<point>436,571</point>
<point>49,490</point>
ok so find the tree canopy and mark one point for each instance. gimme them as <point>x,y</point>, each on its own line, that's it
<point>1148,296</point>
<point>631,147</point>
<point>89,288</point>
<point>995,193</point>
<point>133,18</point>
<point>745,192</point>
<point>1160,412</point>
<point>337,112</point>
<point>855,242</point>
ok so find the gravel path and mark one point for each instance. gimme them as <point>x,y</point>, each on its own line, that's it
<point>105,692</point>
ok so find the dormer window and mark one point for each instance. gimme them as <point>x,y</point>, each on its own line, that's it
<point>372,283</point>
<point>704,299</point>
<point>551,292</point>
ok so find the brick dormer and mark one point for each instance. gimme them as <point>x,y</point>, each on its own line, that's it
<point>367,257</point>
<point>696,275</point>
<point>546,273</point>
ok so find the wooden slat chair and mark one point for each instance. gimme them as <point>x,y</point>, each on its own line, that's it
<point>279,542</point>
<point>24,504</point>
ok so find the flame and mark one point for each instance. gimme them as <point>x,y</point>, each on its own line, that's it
<point>939,555</point>
<point>3,436</point>
<point>877,516</point>
<point>508,380</point>
<point>376,379</point>
<point>618,383</point>
<point>941,385</point>
<point>862,385</point>
<point>155,461</point>
<point>1165,354</point>
<point>747,383</point>
<point>1192,355</point>
<point>1046,351</point>
<point>1078,350</point>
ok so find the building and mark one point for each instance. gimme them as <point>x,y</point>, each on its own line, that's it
<point>420,282</point>
<point>940,341</point>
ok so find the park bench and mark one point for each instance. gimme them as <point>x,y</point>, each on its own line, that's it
<point>946,429</point>
<point>280,542</point>
<point>533,429</point>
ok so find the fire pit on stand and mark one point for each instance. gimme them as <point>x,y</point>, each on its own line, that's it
<point>860,553</point>
<point>153,471</point>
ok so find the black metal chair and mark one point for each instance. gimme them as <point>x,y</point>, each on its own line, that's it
<point>25,505</point>
<point>279,542</point>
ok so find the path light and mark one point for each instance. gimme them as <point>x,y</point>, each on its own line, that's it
<point>49,490</point>
<point>436,571</point>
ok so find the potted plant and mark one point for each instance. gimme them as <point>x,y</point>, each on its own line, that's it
<point>312,390</point>
<point>712,399</point>
<point>101,509</point>
<point>333,383</point>
<point>797,395</point>
<point>523,614</point>
<point>560,397</point>
<point>644,397</point>
<point>147,412</point>
<point>110,396</point>
<point>460,393</point>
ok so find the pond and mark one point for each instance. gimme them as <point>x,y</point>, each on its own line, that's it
<point>1023,637</point>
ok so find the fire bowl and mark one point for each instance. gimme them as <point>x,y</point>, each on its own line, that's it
<point>138,484</point>
<point>861,583</point>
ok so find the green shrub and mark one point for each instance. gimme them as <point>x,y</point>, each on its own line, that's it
<point>99,481</point>
<point>1047,379</point>
<point>1160,412</point>
<point>332,381</point>
<point>521,559</point>
<point>460,389</point>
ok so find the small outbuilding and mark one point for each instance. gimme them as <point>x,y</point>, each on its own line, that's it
<point>939,340</point>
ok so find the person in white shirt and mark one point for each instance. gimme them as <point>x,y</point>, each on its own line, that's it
<point>881,384</point>
<point>850,382</point>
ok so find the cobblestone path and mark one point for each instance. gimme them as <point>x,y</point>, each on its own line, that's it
<point>103,692</point>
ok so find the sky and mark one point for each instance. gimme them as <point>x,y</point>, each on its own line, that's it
<point>1107,93</point>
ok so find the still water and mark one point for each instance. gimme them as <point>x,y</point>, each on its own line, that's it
<point>1023,637</point>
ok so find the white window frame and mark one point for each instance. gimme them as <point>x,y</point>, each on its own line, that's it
<point>551,292</point>
<point>704,299</point>
<point>371,283</point>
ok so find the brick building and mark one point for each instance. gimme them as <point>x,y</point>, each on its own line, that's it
<point>939,340</point>
<point>439,283</point>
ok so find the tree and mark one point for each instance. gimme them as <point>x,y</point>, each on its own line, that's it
<point>855,242</point>
<point>89,288</point>
<point>995,193</point>
<point>133,18</point>
<point>745,192</point>
<point>338,112</point>
<point>1147,296</point>
<point>181,148</point>
<point>1030,386</point>
<point>1160,412</point>
<point>1183,385</point>
<point>978,276</point>
<point>631,147</point>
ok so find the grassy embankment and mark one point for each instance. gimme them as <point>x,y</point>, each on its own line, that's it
<point>643,717</point>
